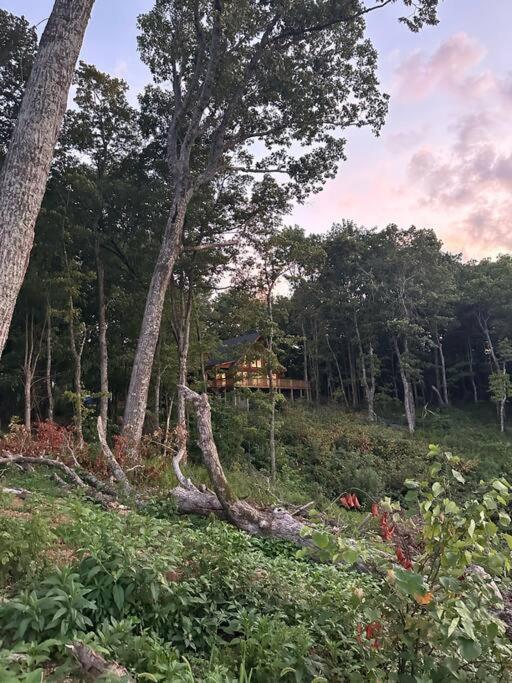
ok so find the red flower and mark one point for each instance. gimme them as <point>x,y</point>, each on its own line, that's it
<point>344,501</point>
<point>355,501</point>
<point>375,510</point>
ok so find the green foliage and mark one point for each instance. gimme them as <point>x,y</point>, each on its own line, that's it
<point>23,540</point>
<point>436,618</point>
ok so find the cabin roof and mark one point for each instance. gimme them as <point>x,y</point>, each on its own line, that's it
<point>231,350</point>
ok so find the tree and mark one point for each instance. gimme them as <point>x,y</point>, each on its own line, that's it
<point>286,75</point>
<point>27,163</point>
<point>103,131</point>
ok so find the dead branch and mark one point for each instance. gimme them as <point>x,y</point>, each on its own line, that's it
<point>47,462</point>
<point>117,471</point>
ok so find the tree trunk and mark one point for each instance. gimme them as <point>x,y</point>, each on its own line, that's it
<point>353,377</point>
<point>27,372</point>
<point>102,335</point>
<point>183,328</point>
<point>77,343</point>
<point>444,381</point>
<point>27,163</point>
<point>276,524</point>
<point>272,392</point>
<point>368,386</point>
<point>306,374</point>
<point>136,401</point>
<point>49,388</point>
<point>471,373</point>
<point>338,369</point>
<point>29,367</point>
<point>409,406</point>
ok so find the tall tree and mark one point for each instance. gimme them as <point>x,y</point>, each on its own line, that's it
<point>27,163</point>
<point>102,129</point>
<point>285,75</point>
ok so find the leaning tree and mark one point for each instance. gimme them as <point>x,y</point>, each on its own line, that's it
<point>27,163</point>
<point>258,86</point>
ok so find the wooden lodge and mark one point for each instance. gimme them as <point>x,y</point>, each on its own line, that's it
<point>239,363</point>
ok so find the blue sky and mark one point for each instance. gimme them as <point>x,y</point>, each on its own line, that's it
<point>444,159</point>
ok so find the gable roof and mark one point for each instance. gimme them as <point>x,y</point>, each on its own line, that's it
<point>230,350</point>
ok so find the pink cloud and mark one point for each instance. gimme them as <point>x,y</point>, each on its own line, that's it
<point>419,75</point>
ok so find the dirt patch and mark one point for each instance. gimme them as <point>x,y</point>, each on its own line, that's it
<point>14,514</point>
<point>60,555</point>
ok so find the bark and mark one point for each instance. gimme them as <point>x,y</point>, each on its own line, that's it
<point>338,369</point>
<point>183,336</point>
<point>95,667</point>
<point>29,367</point>
<point>444,381</point>
<point>158,384</point>
<point>102,334</point>
<point>49,387</point>
<point>27,163</point>
<point>409,405</point>
<point>115,468</point>
<point>471,373</point>
<point>77,343</point>
<point>353,377</point>
<point>306,374</point>
<point>272,391</point>
<point>277,523</point>
<point>136,402</point>
<point>368,385</point>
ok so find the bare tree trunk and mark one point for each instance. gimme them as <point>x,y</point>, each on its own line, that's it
<point>27,371</point>
<point>29,367</point>
<point>353,377</point>
<point>409,406</point>
<point>169,406</point>
<point>49,388</point>
<point>136,401</point>
<point>27,163</point>
<point>471,372</point>
<point>338,369</point>
<point>272,392</point>
<point>183,338</point>
<point>444,381</point>
<point>201,355</point>
<point>158,383</point>
<point>102,335</point>
<point>368,386</point>
<point>77,343</point>
<point>306,374</point>
<point>278,524</point>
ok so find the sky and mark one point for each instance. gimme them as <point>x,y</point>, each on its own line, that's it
<point>444,157</point>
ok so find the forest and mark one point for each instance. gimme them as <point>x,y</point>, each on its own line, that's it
<point>162,518</point>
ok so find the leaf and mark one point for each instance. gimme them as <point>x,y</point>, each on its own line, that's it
<point>118,594</point>
<point>424,599</point>
<point>458,476</point>
<point>409,582</point>
<point>34,676</point>
<point>321,540</point>
<point>508,539</point>
<point>499,486</point>
<point>469,649</point>
<point>453,625</point>
<point>437,489</point>
<point>471,528</point>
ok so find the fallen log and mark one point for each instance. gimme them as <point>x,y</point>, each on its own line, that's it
<point>278,524</point>
<point>94,666</point>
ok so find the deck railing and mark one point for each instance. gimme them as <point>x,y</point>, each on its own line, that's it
<point>259,383</point>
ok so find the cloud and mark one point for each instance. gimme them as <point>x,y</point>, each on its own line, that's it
<point>448,68</point>
<point>469,182</point>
